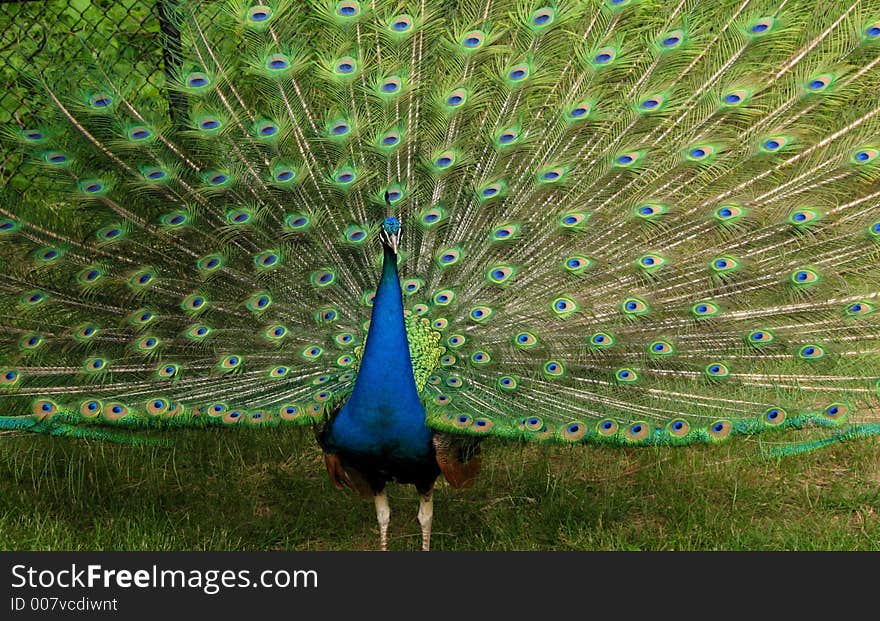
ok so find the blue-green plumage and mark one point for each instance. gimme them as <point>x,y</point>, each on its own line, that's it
<point>384,415</point>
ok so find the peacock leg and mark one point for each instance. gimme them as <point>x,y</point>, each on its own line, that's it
<point>426,514</point>
<point>383,515</point>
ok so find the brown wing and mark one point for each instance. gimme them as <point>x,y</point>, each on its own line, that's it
<point>458,458</point>
<point>343,477</point>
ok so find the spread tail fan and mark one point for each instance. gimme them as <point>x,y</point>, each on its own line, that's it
<point>622,222</point>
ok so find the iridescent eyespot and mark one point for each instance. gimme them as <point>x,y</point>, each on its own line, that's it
<point>30,341</point>
<point>140,133</point>
<point>864,155</point>
<point>166,370</point>
<point>507,383</point>
<point>652,103</point>
<point>101,101</point>
<point>147,344</point>
<point>93,186</point>
<point>626,160</point>
<point>603,57</point>
<point>727,213</point>
<point>819,83</point>
<point>462,420</point>
<point>491,190</point>
<point>322,278</point>
<point>638,431</point>
<point>553,369</point>
<point>835,411</point>
<point>401,24</point>
<point>278,372</point>
<point>872,32</point>
<point>8,377</point>
<point>43,408</point>
<point>723,265</point>
<point>141,278</point>
<point>444,160</point>
<point>197,80</point>
<point>705,309</point>
<point>33,298</point>
<point>761,26</point>
<point>277,63</point>
<point>700,153</point>
<point>576,264</point>
<point>91,408</point>
<point>601,340</point>
<point>344,339</point>
<point>348,8</point>
<point>607,427</point>
<point>574,431</point>
<point>533,423</point>
<point>650,262</point>
<point>198,332</point>
<point>440,323</point>
<point>626,376</point>
<point>542,18</point>
<point>156,406</point>
<point>518,73</point>
<point>480,358</point>
<point>650,211</point>
<point>804,276</point>
<point>447,361</point>
<point>311,352</point>
<point>720,429</point>
<point>55,157</point>
<point>811,352</point>
<point>760,337</point>
<point>773,144</point>
<point>259,14</point>
<point>456,99</point>
<point>391,85</point>
<point>473,40</point>
<point>579,111</point>
<point>634,307</point>
<point>456,340</point>
<point>297,222</point>
<point>233,361</point>
<point>660,348</point>
<point>412,285</point>
<point>154,174</point>
<point>500,274</point>
<point>345,66</point>
<point>773,416</point>
<point>671,40</point>
<point>573,221</point>
<point>525,340</point>
<point>8,226</point>
<point>507,232</point>
<point>859,309</point>
<point>717,370</point>
<point>678,427</point>
<point>258,302</point>
<point>448,257</point>
<point>420,309</point>
<point>735,97</point>
<point>563,306</point>
<point>95,365</point>
<point>114,411</point>
<point>444,297</point>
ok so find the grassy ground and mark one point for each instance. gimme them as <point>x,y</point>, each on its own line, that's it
<point>248,491</point>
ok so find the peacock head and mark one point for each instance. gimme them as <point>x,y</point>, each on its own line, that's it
<point>390,234</point>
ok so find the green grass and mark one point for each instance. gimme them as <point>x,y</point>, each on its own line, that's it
<point>245,490</point>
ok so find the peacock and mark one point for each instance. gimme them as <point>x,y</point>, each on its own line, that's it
<point>414,225</point>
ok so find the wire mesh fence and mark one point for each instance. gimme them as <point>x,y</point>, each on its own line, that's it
<point>53,42</point>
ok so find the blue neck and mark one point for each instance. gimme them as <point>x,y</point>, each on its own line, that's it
<point>384,414</point>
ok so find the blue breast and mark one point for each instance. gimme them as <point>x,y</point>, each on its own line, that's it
<point>384,415</point>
